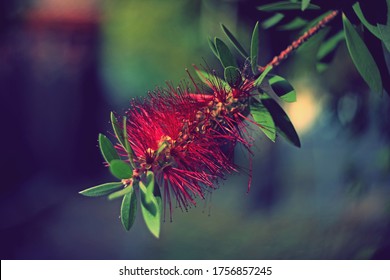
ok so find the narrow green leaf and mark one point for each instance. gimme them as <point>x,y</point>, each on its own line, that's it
<point>150,208</point>
<point>211,80</point>
<point>120,193</point>
<point>372,28</point>
<point>224,54</point>
<point>129,150</point>
<point>255,48</point>
<point>282,121</point>
<point>308,51</point>
<point>120,169</point>
<point>282,88</point>
<point>117,129</point>
<point>233,76</point>
<point>272,21</point>
<point>305,4</point>
<point>101,190</point>
<point>314,22</point>
<point>362,57</point>
<point>107,149</point>
<point>384,30</point>
<point>296,23</point>
<point>264,119</point>
<point>329,45</point>
<point>260,79</point>
<point>385,34</point>
<point>213,47</point>
<point>235,42</point>
<point>321,67</point>
<point>285,6</point>
<point>149,181</point>
<point>129,209</point>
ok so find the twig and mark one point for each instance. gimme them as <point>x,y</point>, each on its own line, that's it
<point>297,43</point>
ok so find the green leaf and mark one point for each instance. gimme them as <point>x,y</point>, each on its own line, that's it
<point>129,150</point>
<point>385,34</point>
<point>372,28</point>
<point>282,88</point>
<point>285,6</point>
<point>282,121</point>
<point>107,149</point>
<point>101,190</point>
<point>120,193</point>
<point>314,22</point>
<point>224,54</point>
<point>120,169</point>
<point>117,129</point>
<point>233,76</point>
<point>272,21</point>
<point>329,45</point>
<point>150,207</point>
<point>255,48</point>
<point>321,67</point>
<point>211,80</point>
<point>213,47</point>
<point>235,42</point>
<point>260,79</point>
<point>309,50</point>
<point>296,23</point>
<point>264,120</point>
<point>384,30</point>
<point>305,4</point>
<point>362,57</point>
<point>129,209</point>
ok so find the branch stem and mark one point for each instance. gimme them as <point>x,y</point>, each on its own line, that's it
<point>297,43</point>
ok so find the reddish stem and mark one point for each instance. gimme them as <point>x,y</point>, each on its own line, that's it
<point>297,43</point>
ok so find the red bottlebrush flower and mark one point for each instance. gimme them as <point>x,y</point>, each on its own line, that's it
<point>227,108</point>
<point>170,137</point>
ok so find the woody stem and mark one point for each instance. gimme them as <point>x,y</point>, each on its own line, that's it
<point>297,43</point>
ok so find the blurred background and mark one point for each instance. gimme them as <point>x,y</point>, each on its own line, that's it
<point>64,65</point>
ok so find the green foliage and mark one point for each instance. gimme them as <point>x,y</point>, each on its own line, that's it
<point>305,4</point>
<point>296,23</point>
<point>117,129</point>
<point>120,169</point>
<point>235,42</point>
<point>282,88</point>
<point>362,57</point>
<point>255,48</point>
<point>384,31</point>
<point>272,21</point>
<point>101,190</point>
<point>314,22</point>
<point>372,28</point>
<point>264,120</point>
<point>233,76</point>
<point>285,6</point>
<point>127,147</point>
<point>120,193</point>
<point>213,47</point>
<point>282,121</point>
<point>150,206</point>
<point>309,50</point>
<point>260,79</point>
<point>129,209</point>
<point>211,80</point>
<point>107,149</point>
<point>329,45</point>
<point>224,54</point>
